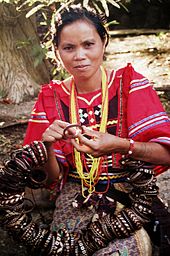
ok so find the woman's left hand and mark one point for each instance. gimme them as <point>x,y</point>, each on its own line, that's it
<point>98,143</point>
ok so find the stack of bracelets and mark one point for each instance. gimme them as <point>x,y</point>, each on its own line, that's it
<point>23,169</point>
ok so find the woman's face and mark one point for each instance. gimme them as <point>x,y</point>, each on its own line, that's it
<point>81,49</point>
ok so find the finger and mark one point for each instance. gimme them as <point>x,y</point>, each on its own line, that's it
<point>60,123</point>
<point>55,130</point>
<point>89,132</point>
<point>88,141</point>
<point>83,139</point>
<point>52,133</point>
<point>85,143</point>
<point>48,139</point>
<point>59,126</point>
<point>81,147</point>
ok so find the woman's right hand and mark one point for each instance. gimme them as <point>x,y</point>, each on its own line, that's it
<point>54,132</point>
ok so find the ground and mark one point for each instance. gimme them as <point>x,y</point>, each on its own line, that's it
<point>150,56</point>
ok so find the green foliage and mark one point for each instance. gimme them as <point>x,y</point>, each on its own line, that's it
<point>38,51</point>
<point>47,10</point>
<point>100,5</point>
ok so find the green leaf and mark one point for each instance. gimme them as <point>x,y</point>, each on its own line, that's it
<point>5,1</point>
<point>85,3</point>
<point>51,55</point>
<point>43,23</point>
<point>21,5</point>
<point>34,10</point>
<point>113,22</point>
<point>105,7</point>
<point>64,5</point>
<point>126,9</point>
<point>21,44</point>
<point>96,6</point>
<point>113,3</point>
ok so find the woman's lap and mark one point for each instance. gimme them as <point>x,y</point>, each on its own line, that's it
<point>76,219</point>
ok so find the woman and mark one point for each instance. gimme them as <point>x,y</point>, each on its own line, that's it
<point>88,123</point>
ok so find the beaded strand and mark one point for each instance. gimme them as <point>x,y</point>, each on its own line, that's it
<point>89,179</point>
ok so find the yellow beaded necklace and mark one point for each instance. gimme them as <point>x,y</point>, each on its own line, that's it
<point>89,179</point>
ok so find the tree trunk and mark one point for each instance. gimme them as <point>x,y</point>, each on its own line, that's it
<point>18,76</point>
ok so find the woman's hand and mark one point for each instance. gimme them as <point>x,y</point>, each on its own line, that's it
<point>97,143</point>
<point>55,131</point>
<point>52,134</point>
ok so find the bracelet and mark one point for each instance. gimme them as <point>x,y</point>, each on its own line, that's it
<point>131,147</point>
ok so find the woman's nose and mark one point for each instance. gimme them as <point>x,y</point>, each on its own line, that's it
<point>79,54</point>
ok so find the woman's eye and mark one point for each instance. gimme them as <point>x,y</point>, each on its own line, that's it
<point>89,44</point>
<point>68,48</point>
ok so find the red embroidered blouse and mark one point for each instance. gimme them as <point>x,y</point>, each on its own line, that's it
<point>135,112</point>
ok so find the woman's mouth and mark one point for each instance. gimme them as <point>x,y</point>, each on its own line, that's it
<point>81,67</point>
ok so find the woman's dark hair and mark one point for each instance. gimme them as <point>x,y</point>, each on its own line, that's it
<point>72,14</point>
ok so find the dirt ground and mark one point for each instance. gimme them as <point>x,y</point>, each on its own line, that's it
<point>150,56</point>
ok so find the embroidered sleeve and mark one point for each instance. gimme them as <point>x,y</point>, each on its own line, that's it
<point>38,121</point>
<point>147,120</point>
<point>146,117</point>
<point>43,114</point>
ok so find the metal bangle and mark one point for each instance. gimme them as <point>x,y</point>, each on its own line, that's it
<point>65,131</point>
